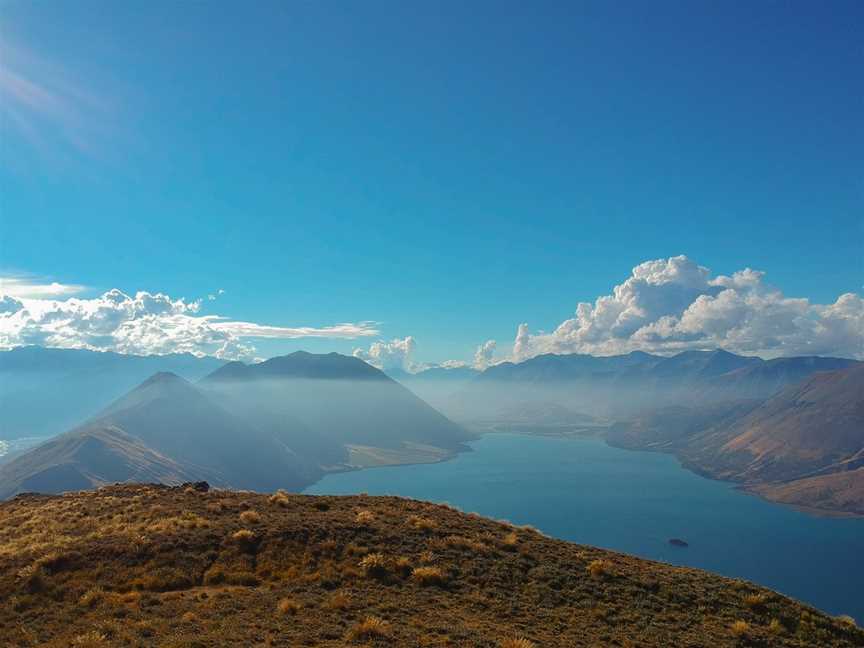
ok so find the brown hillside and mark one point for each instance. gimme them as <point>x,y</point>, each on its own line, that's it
<point>801,429</point>
<point>839,491</point>
<point>170,567</point>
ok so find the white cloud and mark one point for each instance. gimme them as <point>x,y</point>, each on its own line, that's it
<point>395,354</point>
<point>399,354</point>
<point>347,330</point>
<point>674,304</point>
<point>30,287</point>
<point>449,364</point>
<point>144,324</point>
<point>483,355</point>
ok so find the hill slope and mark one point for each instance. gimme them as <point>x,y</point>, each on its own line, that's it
<point>803,446</point>
<point>802,429</point>
<point>158,566</point>
<point>92,457</point>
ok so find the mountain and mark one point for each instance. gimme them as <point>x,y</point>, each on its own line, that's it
<point>802,429</point>
<point>92,457</point>
<point>44,391</point>
<point>341,401</point>
<point>152,565</point>
<point>804,445</point>
<point>624,386</point>
<point>764,379</point>
<point>166,430</point>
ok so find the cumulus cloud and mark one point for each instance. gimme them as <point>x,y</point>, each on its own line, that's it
<point>483,355</point>
<point>395,354</point>
<point>145,324</point>
<point>398,353</point>
<point>671,305</point>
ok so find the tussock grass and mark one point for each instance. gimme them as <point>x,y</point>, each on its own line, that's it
<point>134,566</point>
<point>92,639</point>
<point>339,601</point>
<point>371,627</point>
<point>244,538</point>
<point>364,518</point>
<point>755,601</point>
<point>775,627</point>
<point>250,517</point>
<point>457,542</point>
<point>421,523</point>
<point>92,597</point>
<point>599,568</point>
<point>517,642</point>
<point>374,565</point>
<point>510,541</point>
<point>740,628</point>
<point>287,606</point>
<point>280,498</point>
<point>428,576</point>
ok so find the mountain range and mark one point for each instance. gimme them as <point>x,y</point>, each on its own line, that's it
<point>618,387</point>
<point>789,429</point>
<point>277,424</point>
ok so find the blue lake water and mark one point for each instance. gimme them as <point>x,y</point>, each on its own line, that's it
<point>590,493</point>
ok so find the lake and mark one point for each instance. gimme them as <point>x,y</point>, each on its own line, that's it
<point>588,492</point>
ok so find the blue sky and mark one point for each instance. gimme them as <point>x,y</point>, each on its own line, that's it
<point>446,170</point>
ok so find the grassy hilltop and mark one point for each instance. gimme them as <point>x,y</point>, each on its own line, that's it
<point>170,567</point>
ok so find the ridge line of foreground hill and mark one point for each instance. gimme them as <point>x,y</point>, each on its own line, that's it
<point>141,565</point>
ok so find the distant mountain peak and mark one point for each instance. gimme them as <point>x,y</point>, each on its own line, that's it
<point>163,378</point>
<point>300,364</point>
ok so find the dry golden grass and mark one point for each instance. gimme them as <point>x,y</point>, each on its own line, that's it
<point>364,518</point>
<point>847,620</point>
<point>280,498</point>
<point>92,597</point>
<point>371,627</point>
<point>287,606</point>
<point>599,568</point>
<point>427,557</point>
<point>740,628</point>
<point>428,576</point>
<point>92,639</point>
<point>158,567</point>
<point>339,601</point>
<point>518,642</point>
<point>243,536</point>
<point>374,564</point>
<point>422,523</point>
<point>250,517</point>
<point>511,540</point>
<point>755,601</point>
